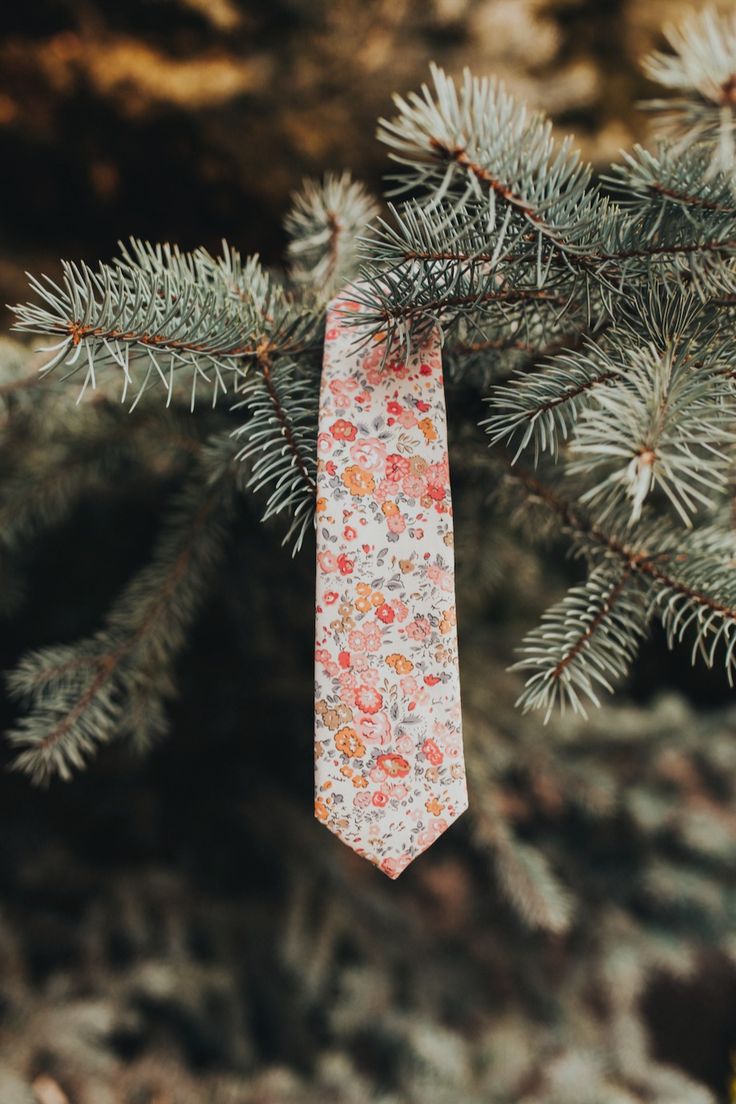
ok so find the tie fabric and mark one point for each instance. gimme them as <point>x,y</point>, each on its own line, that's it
<point>389,768</point>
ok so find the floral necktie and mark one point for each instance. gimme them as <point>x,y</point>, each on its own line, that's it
<point>389,769</point>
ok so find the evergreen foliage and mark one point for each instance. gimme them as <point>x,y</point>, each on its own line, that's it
<point>596,317</point>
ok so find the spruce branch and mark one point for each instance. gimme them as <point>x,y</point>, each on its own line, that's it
<point>688,578</point>
<point>701,66</point>
<point>280,440</point>
<point>476,142</point>
<point>667,423</point>
<point>324,225</point>
<point>584,643</point>
<point>156,312</point>
<point>83,695</point>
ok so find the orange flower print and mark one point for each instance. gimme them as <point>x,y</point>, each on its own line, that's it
<point>320,810</point>
<point>343,430</point>
<point>359,782</point>
<point>367,699</point>
<point>349,743</point>
<point>427,427</point>
<point>362,604</point>
<point>406,567</point>
<point>400,663</point>
<point>395,766</point>
<point>321,504</point>
<point>358,481</point>
<point>433,806</point>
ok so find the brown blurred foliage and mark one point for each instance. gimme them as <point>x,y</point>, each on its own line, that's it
<point>191,120</point>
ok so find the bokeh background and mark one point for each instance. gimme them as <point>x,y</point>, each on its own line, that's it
<point>177,929</point>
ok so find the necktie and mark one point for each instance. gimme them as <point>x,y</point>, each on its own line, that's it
<point>389,768</point>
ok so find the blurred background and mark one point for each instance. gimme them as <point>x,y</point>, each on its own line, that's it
<point>177,929</point>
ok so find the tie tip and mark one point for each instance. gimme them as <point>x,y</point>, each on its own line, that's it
<point>390,865</point>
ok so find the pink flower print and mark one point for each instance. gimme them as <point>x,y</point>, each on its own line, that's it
<point>347,680</point>
<point>324,444</point>
<point>400,609</point>
<point>331,597</point>
<point>393,867</point>
<point>397,791</point>
<point>327,561</point>
<point>374,728</point>
<point>397,467</point>
<point>371,676</point>
<point>418,629</point>
<point>356,640</point>
<point>367,699</point>
<point>322,656</point>
<point>349,533</point>
<point>413,486</point>
<point>409,685</point>
<point>407,419</point>
<point>369,453</point>
<point>372,637</point>
<point>396,523</point>
<point>383,490</point>
<point>380,799</point>
<point>439,577</point>
<point>404,744</point>
<point>362,800</point>
<point>439,472</point>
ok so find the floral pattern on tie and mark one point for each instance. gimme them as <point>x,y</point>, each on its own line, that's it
<point>389,772</point>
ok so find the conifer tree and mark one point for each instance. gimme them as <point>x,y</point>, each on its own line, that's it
<point>595,316</point>
<point>590,324</point>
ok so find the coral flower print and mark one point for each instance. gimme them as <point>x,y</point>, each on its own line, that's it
<point>389,772</point>
<point>343,430</point>
<point>367,699</point>
<point>395,766</point>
